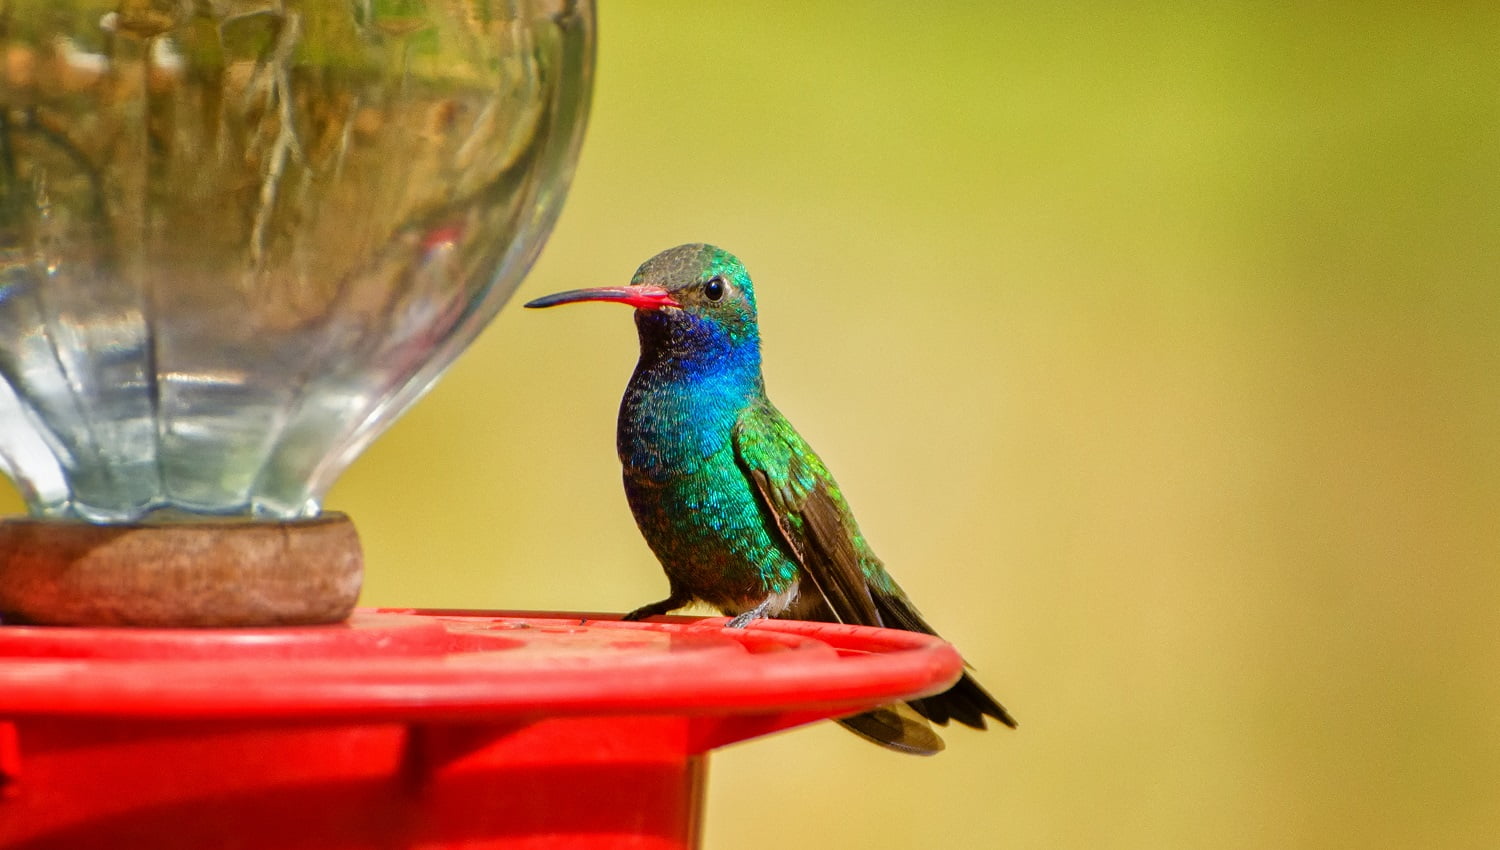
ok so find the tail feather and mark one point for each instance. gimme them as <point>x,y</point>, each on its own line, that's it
<point>906,727</point>
<point>967,701</point>
<point>895,727</point>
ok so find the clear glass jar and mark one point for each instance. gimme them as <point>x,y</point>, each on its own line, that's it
<point>239,237</point>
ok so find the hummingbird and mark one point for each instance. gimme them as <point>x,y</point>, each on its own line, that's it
<point>741,512</point>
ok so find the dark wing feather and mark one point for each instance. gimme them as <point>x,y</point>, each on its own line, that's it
<point>764,490</point>
<point>799,497</point>
<point>795,491</point>
<point>832,554</point>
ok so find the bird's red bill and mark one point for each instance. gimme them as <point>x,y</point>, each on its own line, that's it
<point>641,297</point>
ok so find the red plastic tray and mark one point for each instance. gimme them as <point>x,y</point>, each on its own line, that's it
<point>412,729</point>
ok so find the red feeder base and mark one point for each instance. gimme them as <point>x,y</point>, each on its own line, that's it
<point>412,729</point>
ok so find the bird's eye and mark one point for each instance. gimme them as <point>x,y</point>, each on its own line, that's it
<point>714,289</point>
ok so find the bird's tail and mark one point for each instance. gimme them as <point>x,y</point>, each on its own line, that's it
<point>896,727</point>
<point>967,701</point>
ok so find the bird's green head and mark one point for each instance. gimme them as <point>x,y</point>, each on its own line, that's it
<point>693,302</point>
<point>708,284</point>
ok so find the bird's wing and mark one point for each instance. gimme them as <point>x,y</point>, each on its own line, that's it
<point>799,495</point>
<point>814,522</point>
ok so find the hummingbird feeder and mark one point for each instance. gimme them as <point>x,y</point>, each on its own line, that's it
<point>238,238</point>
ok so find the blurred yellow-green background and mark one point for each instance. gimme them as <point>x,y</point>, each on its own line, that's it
<point>1157,351</point>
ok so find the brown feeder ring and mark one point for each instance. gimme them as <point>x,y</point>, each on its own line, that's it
<point>216,573</point>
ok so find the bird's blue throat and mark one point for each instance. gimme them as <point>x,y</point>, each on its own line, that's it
<point>694,377</point>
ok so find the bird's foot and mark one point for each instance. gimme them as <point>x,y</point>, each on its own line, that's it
<point>671,603</point>
<point>743,620</point>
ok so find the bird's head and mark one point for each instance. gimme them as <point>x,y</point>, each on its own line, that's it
<point>693,301</point>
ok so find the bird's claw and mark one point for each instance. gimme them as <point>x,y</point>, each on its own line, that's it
<point>742,620</point>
